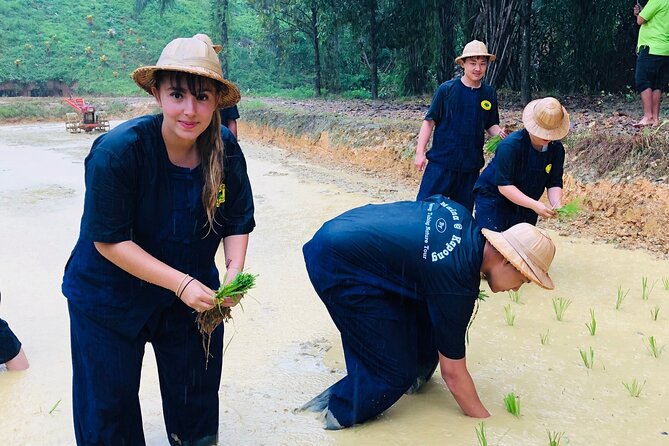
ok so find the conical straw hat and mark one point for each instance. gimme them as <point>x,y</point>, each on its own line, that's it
<point>546,118</point>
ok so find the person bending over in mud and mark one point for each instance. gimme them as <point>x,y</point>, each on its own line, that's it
<point>400,281</point>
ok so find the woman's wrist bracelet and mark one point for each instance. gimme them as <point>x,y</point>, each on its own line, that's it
<point>184,288</point>
<point>176,292</point>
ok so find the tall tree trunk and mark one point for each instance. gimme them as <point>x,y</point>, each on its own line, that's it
<point>221,8</point>
<point>445,11</point>
<point>373,43</point>
<point>525,26</point>
<point>496,23</point>
<point>317,51</point>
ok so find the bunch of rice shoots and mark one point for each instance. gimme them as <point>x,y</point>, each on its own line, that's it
<point>570,210</point>
<point>491,144</point>
<point>207,321</point>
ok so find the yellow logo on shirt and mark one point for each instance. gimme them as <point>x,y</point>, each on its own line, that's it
<point>486,105</point>
<point>548,168</point>
<point>220,198</point>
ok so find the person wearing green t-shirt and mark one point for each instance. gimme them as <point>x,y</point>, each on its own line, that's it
<point>652,62</point>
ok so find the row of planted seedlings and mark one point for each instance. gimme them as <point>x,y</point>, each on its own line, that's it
<point>560,306</point>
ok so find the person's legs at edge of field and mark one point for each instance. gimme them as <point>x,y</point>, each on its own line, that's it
<point>458,186</point>
<point>648,77</point>
<point>189,383</point>
<point>106,369</point>
<point>379,338</point>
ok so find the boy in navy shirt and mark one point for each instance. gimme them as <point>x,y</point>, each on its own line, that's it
<point>400,281</point>
<point>462,109</point>
<point>526,163</point>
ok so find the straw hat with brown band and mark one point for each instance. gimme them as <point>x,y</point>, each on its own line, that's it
<point>473,49</point>
<point>528,249</point>
<point>196,55</point>
<point>546,118</point>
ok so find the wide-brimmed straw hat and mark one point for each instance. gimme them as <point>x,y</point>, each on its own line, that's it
<point>546,118</point>
<point>196,55</point>
<point>527,248</point>
<point>473,49</point>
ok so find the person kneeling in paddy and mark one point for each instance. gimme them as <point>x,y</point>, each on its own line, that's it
<point>400,281</point>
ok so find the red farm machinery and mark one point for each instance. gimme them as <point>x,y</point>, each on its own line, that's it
<point>86,118</point>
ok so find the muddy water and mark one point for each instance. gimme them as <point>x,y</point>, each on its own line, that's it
<point>283,349</point>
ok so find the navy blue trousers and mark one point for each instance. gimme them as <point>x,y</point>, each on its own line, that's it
<point>458,186</point>
<point>497,213</point>
<point>106,376</point>
<point>388,346</point>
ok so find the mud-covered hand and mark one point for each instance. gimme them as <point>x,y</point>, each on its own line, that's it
<point>543,211</point>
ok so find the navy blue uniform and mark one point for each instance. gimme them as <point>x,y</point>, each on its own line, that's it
<point>461,115</point>
<point>399,281</point>
<point>516,163</point>
<point>133,192</point>
<point>228,114</point>
<point>10,346</point>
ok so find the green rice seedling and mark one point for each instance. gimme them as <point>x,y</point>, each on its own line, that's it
<point>554,438</point>
<point>207,321</point>
<point>592,326</point>
<point>54,407</point>
<point>665,283</point>
<point>621,297</point>
<point>509,317</point>
<point>491,144</point>
<point>512,404</point>
<point>514,296</point>
<point>560,305</point>
<point>645,289</point>
<point>481,434</point>
<point>655,312</point>
<point>588,357</point>
<point>634,388</point>
<point>570,210</point>
<point>654,349</point>
<point>544,337</point>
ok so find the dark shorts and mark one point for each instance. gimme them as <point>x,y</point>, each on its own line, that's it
<point>10,346</point>
<point>651,71</point>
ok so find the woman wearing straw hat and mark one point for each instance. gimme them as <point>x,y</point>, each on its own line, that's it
<point>379,268</point>
<point>462,111</point>
<point>161,193</point>
<point>526,163</point>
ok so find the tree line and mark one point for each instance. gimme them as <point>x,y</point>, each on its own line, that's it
<point>406,47</point>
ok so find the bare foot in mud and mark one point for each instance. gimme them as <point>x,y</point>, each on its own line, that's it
<point>645,122</point>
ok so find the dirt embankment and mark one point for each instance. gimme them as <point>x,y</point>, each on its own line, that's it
<point>618,173</point>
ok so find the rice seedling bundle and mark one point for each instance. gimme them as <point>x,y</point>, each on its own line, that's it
<point>570,210</point>
<point>481,434</point>
<point>491,144</point>
<point>512,404</point>
<point>634,388</point>
<point>207,321</point>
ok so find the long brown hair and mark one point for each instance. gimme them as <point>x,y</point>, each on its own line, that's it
<point>209,144</point>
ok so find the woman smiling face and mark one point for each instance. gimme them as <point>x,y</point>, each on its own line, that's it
<point>188,103</point>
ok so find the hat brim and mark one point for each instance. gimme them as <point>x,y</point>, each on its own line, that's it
<point>535,129</point>
<point>526,267</point>
<point>490,57</point>
<point>144,77</point>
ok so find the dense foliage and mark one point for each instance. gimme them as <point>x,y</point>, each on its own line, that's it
<point>353,48</point>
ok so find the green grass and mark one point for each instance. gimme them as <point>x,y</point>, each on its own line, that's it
<point>655,312</point>
<point>570,210</point>
<point>512,404</point>
<point>592,326</point>
<point>481,434</point>
<point>514,296</point>
<point>654,349</point>
<point>645,288</point>
<point>621,297</point>
<point>544,337</point>
<point>554,438</point>
<point>665,283</point>
<point>560,305</point>
<point>509,317</point>
<point>634,388</point>
<point>588,357</point>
